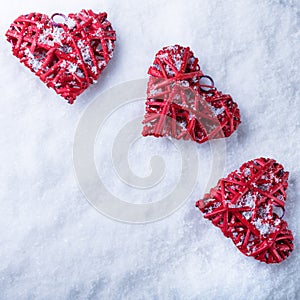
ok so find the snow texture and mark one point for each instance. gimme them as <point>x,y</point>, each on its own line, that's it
<point>54,245</point>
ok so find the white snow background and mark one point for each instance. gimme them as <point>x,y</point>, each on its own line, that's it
<point>55,245</point>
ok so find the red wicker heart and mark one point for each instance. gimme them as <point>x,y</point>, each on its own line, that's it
<point>199,114</point>
<point>245,205</point>
<point>67,56</point>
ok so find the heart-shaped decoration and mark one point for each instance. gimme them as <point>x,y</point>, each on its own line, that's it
<point>180,105</point>
<point>67,56</point>
<point>245,206</point>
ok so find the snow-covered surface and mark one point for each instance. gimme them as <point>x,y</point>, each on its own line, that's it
<point>54,245</point>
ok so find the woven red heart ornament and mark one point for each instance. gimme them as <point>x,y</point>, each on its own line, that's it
<point>245,206</point>
<point>180,105</point>
<point>67,56</point>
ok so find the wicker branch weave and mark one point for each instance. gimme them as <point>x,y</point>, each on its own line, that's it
<point>245,206</point>
<point>67,56</point>
<point>201,117</point>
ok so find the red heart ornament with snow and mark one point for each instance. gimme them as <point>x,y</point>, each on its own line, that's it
<point>248,206</point>
<point>67,56</point>
<point>180,105</point>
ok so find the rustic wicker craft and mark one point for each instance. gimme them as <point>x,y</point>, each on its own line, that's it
<point>67,56</point>
<point>180,105</point>
<point>248,206</point>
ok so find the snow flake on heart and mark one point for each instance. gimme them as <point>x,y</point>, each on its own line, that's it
<point>67,56</point>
